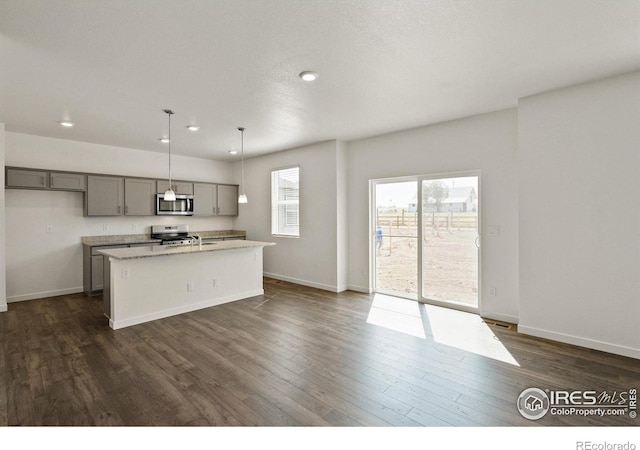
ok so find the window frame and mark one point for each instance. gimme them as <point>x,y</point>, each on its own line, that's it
<point>276,226</point>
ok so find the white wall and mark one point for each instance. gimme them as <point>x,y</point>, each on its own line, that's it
<point>41,264</point>
<point>312,259</point>
<point>486,142</point>
<point>49,153</point>
<point>3,296</point>
<point>342,215</point>
<point>579,158</point>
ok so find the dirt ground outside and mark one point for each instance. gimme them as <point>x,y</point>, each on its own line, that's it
<point>450,268</point>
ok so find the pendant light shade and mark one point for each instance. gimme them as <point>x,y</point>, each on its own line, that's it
<point>169,195</point>
<point>242,198</point>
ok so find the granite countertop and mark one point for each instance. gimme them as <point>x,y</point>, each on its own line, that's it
<point>151,251</point>
<point>122,239</point>
<point>216,234</point>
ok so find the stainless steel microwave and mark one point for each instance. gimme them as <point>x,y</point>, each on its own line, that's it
<point>182,206</point>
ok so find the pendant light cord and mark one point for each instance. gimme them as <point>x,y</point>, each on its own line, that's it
<point>242,157</point>
<point>169,112</point>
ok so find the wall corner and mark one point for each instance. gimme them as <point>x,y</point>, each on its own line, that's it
<point>3,271</point>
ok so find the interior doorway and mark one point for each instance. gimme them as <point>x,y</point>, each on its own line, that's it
<point>425,239</point>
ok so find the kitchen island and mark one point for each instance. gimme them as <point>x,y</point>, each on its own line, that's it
<point>93,261</point>
<point>149,283</point>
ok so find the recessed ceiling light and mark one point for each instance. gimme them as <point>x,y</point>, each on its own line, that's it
<point>308,75</point>
<point>66,123</point>
<point>193,127</point>
<point>233,152</point>
<point>164,140</point>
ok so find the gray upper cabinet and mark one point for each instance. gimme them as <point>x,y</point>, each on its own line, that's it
<point>139,196</point>
<point>204,199</point>
<point>34,179</point>
<point>109,195</point>
<point>227,200</point>
<point>105,196</point>
<point>68,181</point>
<point>179,187</point>
<point>215,199</point>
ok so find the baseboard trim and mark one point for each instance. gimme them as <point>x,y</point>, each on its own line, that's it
<point>497,316</point>
<point>580,341</point>
<point>324,287</point>
<point>362,289</point>
<point>3,308</point>
<point>35,295</point>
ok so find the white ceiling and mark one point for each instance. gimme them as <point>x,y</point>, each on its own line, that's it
<point>112,66</point>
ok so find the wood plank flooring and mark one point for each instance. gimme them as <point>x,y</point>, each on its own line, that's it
<point>296,356</point>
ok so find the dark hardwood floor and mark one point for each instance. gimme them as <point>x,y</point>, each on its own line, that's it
<point>295,356</point>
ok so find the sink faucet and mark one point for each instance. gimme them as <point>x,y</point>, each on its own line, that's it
<point>197,236</point>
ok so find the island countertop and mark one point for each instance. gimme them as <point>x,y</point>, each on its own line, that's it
<point>159,250</point>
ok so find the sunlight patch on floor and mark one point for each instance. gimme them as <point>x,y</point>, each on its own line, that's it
<point>396,314</point>
<point>464,331</point>
<point>468,332</point>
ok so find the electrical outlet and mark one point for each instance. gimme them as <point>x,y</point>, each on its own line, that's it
<point>105,227</point>
<point>215,283</point>
<point>134,227</point>
<point>189,287</point>
<point>493,291</point>
<point>125,273</point>
<point>49,229</point>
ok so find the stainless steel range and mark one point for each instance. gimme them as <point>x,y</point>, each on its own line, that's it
<point>172,234</point>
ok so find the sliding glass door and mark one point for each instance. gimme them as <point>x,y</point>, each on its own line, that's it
<point>425,239</point>
<point>450,240</point>
<point>396,239</point>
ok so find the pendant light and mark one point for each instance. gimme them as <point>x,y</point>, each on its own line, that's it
<point>242,198</point>
<point>169,195</point>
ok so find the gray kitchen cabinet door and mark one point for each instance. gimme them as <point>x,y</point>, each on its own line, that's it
<point>139,196</point>
<point>204,199</point>
<point>68,181</point>
<point>97,268</point>
<point>179,187</point>
<point>35,179</point>
<point>105,196</point>
<point>227,200</point>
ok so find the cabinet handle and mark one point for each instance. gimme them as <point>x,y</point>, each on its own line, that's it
<point>218,210</point>
<point>126,209</point>
<point>42,180</point>
<point>118,209</point>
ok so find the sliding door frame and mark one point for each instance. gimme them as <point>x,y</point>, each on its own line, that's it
<point>448,304</point>
<point>372,230</point>
<point>419,179</point>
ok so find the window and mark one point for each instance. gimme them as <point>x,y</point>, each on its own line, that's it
<point>285,200</point>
